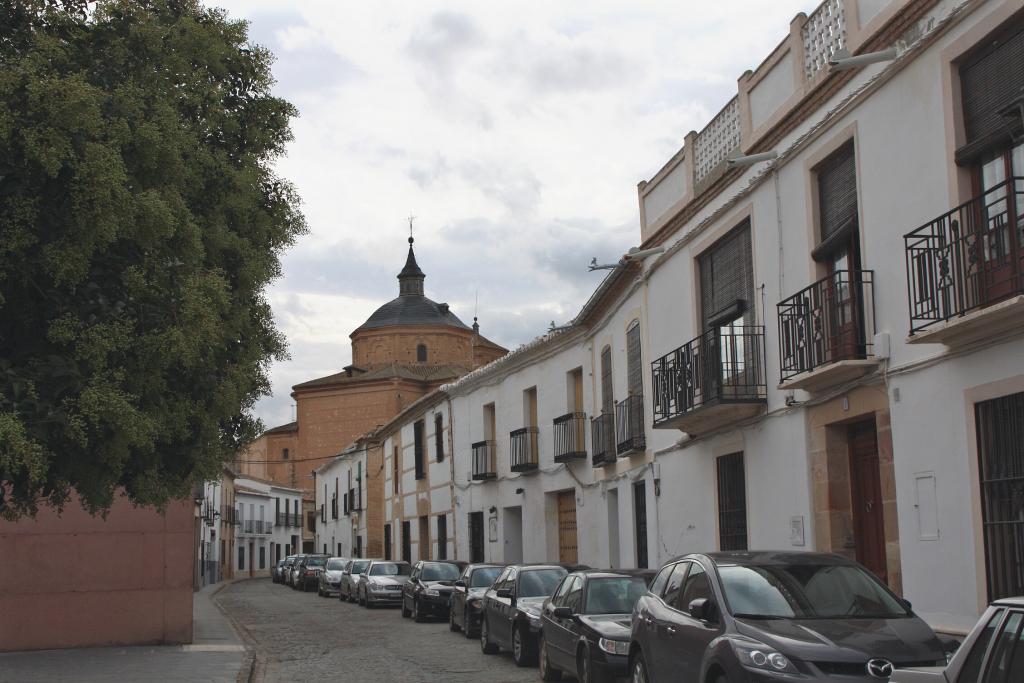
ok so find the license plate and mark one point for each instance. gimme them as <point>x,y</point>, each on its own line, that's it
<point>392,588</point>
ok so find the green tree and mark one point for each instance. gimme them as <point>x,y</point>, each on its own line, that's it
<point>140,222</point>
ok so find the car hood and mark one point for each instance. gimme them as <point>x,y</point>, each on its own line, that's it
<point>902,641</point>
<point>333,574</point>
<point>388,580</point>
<point>441,586</point>
<point>534,603</point>
<point>615,626</point>
<point>476,592</point>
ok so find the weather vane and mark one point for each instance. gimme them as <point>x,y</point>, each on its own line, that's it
<point>411,219</point>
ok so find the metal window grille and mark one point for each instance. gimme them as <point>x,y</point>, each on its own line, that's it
<point>439,437</point>
<point>607,399</point>
<point>418,448</point>
<point>524,449</point>
<point>732,503</point>
<point>570,436</point>
<point>483,460</point>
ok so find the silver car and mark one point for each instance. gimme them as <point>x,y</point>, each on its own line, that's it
<point>382,582</point>
<point>349,577</point>
<point>330,578</point>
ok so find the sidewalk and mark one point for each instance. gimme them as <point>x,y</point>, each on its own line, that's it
<point>216,654</point>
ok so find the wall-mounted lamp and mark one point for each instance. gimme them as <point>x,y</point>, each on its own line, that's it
<point>751,159</point>
<point>842,61</point>
<point>493,510</point>
<point>519,491</point>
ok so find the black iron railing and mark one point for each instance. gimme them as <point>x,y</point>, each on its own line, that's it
<point>967,258</point>
<point>484,460</point>
<point>524,449</point>
<point>282,519</point>
<point>629,425</point>
<point>265,527</point>
<point>249,526</point>
<point>723,365</point>
<point>831,320</point>
<point>296,520</point>
<point>602,437</point>
<point>570,437</point>
<point>227,514</point>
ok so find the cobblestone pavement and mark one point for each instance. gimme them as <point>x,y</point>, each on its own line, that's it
<point>302,637</point>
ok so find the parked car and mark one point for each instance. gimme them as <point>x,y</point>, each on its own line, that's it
<point>279,569</point>
<point>991,652</point>
<point>350,577</point>
<point>467,592</point>
<point>330,578</point>
<point>429,589</point>
<point>585,624</point>
<point>381,583</point>
<point>742,617</point>
<point>511,607</point>
<point>309,572</point>
<point>293,570</point>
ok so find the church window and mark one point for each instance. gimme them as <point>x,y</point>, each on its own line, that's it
<point>421,353</point>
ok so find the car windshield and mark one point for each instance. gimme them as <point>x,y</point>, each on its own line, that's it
<point>807,591</point>
<point>484,577</point>
<point>359,567</point>
<point>316,561</point>
<point>389,569</point>
<point>335,565</point>
<point>440,572</point>
<point>614,595</point>
<point>539,582</point>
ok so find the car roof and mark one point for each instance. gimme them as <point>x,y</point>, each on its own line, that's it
<point>482,565</point>
<point>613,573</point>
<point>542,565</point>
<point>1015,601</point>
<point>761,557</point>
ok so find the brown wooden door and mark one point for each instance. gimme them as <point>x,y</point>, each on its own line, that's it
<point>866,498</point>
<point>567,553</point>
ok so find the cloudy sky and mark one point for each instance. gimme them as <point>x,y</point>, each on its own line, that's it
<point>515,133</point>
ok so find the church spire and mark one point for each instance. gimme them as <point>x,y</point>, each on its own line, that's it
<point>410,280</point>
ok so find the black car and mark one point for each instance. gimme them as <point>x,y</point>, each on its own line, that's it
<point>511,607</point>
<point>429,589</point>
<point>308,575</point>
<point>467,593</point>
<point>751,617</point>
<point>585,625</point>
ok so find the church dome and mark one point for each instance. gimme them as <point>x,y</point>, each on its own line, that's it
<point>411,307</point>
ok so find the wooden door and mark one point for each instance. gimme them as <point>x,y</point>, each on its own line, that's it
<point>476,537</point>
<point>567,551</point>
<point>866,498</point>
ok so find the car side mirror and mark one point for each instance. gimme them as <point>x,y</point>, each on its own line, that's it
<point>459,584</point>
<point>562,612</point>
<point>702,609</point>
<point>504,593</point>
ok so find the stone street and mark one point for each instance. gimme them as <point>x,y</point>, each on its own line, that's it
<point>300,636</point>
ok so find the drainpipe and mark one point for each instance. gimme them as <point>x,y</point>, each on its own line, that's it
<point>451,479</point>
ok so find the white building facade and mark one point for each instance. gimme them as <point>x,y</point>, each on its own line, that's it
<point>265,532</point>
<point>341,499</point>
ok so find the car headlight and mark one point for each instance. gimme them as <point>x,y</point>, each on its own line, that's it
<point>614,647</point>
<point>374,586</point>
<point>432,592</point>
<point>760,656</point>
<point>474,603</point>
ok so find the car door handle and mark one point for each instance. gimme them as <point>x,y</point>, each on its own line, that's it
<point>671,631</point>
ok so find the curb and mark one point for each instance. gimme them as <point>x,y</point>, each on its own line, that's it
<point>253,665</point>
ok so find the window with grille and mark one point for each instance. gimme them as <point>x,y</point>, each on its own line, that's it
<point>633,369</point>
<point>837,198</point>
<point>732,503</point>
<point>439,437</point>
<point>418,455</point>
<point>991,88</point>
<point>607,399</point>
<point>727,279</point>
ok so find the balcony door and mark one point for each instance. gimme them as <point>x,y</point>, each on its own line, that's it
<point>991,84</point>
<point>835,318</point>
<point>727,293</point>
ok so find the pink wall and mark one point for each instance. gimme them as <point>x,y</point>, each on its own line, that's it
<point>74,580</point>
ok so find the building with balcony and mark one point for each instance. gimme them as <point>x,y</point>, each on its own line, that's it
<point>267,525</point>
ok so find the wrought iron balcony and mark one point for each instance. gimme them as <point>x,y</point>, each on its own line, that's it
<point>524,449</point>
<point>249,526</point>
<point>629,425</point>
<point>826,331</point>
<point>296,520</point>
<point>282,519</point>
<point>712,381</point>
<point>602,436</point>
<point>227,514</point>
<point>570,437</point>
<point>484,453</point>
<point>965,269</point>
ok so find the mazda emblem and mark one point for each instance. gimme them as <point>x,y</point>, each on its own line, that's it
<point>880,668</point>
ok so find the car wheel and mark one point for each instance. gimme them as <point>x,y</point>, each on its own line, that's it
<point>452,626</point>
<point>522,648</point>
<point>547,672</point>
<point>585,672</point>
<point>486,646</point>
<point>639,669</point>
<point>467,625</point>
<point>417,613</point>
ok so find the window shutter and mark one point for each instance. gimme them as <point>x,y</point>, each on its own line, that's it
<point>990,81</point>
<point>727,278</point>
<point>607,401</point>
<point>635,379</point>
<point>837,193</point>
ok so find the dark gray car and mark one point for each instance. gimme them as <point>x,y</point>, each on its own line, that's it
<point>467,593</point>
<point>751,617</point>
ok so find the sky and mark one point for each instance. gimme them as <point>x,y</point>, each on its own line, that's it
<point>514,132</point>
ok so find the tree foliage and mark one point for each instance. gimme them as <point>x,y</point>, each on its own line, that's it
<point>140,222</point>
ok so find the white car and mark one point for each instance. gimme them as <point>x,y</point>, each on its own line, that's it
<point>330,578</point>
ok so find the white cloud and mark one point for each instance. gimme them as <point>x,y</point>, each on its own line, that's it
<point>515,132</point>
